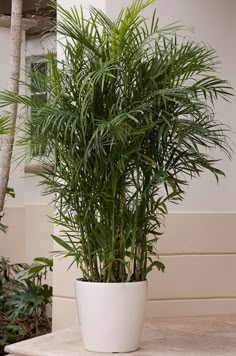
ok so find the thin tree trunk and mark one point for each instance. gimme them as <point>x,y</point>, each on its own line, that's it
<point>7,141</point>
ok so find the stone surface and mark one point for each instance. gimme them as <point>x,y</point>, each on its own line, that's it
<point>200,336</point>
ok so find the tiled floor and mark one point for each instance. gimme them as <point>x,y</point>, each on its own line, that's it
<point>201,336</point>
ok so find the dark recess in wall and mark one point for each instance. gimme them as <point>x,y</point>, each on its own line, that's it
<point>28,6</point>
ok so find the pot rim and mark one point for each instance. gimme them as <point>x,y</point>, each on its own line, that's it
<point>112,283</point>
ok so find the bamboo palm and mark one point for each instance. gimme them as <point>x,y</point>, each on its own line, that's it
<point>128,122</point>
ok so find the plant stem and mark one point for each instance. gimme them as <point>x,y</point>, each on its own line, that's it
<point>122,241</point>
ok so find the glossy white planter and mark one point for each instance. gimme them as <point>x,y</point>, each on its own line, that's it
<point>111,315</point>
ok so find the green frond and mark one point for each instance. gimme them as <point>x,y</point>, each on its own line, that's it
<point>5,124</point>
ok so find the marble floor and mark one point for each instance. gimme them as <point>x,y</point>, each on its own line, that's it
<point>201,336</point>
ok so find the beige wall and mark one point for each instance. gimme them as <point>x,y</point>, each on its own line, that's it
<point>12,244</point>
<point>199,245</point>
<point>28,234</point>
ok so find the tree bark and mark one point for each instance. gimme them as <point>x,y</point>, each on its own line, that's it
<point>7,141</point>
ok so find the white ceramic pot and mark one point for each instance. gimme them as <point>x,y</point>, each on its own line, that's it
<point>111,315</point>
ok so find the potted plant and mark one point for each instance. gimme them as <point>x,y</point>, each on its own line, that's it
<point>127,123</point>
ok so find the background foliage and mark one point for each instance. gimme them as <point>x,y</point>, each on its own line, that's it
<point>24,298</point>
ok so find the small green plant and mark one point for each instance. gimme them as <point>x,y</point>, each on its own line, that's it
<point>128,122</point>
<point>24,298</point>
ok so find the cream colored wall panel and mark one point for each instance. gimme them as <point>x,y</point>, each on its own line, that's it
<point>196,307</point>
<point>28,234</point>
<point>64,279</point>
<point>16,181</point>
<point>64,313</point>
<point>33,192</point>
<point>4,58</point>
<point>198,233</point>
<point>86,3</point>
<point>12,244</point>
<point>194,277</point>
<point>38,231</point>
<point>185,277</point>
